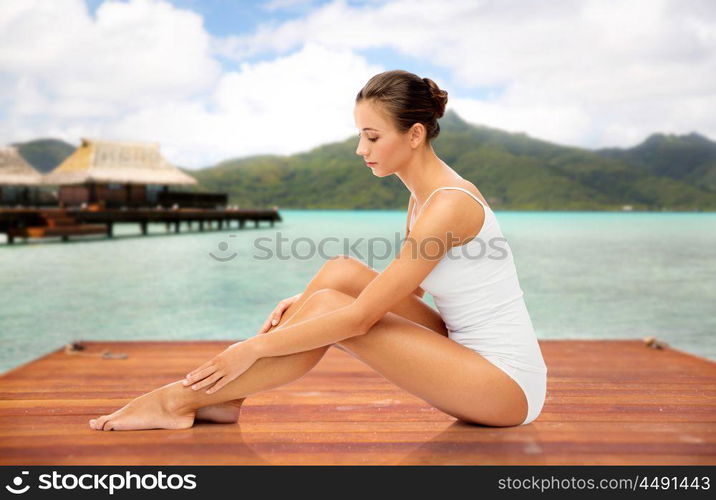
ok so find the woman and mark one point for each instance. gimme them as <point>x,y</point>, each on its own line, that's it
<point>476,358</point>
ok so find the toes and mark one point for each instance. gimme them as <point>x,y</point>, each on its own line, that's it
<point>109,426</point>
<point>99,423</point>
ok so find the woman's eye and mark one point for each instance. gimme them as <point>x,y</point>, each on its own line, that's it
<point>372,140</point>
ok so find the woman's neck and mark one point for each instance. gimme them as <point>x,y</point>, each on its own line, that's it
<point>424,173</point>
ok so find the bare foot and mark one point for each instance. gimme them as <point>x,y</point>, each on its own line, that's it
<point>224,413</point>
<point>155,410</point>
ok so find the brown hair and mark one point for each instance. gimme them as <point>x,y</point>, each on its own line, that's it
<point>408,99</point>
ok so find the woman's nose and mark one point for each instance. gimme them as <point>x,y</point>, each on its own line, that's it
<point>361,151</point>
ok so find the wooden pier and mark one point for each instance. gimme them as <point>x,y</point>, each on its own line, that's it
<point>608,403</point>
<point>42,223</point>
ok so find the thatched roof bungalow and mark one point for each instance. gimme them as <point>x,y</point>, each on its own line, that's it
<point>104,162</point>
<point>16,177</point>
<point>15,171</point>
<point>115,173</point>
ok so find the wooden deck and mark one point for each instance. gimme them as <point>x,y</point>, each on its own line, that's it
<point>49,223</point>
<point>608,403</point>
<point>41,223</point>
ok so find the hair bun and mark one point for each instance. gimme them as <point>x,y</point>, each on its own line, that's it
<point>407,99</point>
<point>439,96</point>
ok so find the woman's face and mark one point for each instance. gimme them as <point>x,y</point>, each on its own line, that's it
<point>383,148</point>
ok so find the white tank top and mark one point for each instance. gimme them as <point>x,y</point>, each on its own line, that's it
<point>478,295</point>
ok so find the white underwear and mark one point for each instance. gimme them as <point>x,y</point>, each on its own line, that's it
<point>533,384</point>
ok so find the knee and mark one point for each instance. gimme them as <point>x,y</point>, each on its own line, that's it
<point>343,273</point>
<point>344,264</point>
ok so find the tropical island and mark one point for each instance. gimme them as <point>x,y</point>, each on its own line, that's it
<point>514,171</point>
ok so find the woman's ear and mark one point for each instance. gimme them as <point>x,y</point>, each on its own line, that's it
<point>416,134</point>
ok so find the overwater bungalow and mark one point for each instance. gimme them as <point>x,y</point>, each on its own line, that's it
<point>18,180</point>
<point>103,183</point>
<point>112,174</point>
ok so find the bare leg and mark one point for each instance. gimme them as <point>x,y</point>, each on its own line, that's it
<point>440,371</point>
<point>223,413</point>
<point>174,406</point>
<point>349,276</point>
<point>447,375</point>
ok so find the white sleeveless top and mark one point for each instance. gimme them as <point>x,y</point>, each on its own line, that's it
<point>478,295</point>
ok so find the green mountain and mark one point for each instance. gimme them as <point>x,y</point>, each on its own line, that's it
<point>688,158</point>
<point>513,170</point>
<point>45,154</point>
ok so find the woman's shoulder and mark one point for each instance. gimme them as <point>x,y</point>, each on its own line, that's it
<point>446,205</point>
<point>467,186</point>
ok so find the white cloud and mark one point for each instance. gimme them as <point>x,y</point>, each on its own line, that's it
<point>274,5</point>
<point>592,73</point>
<point>131,53</point>
<point>583,73</point>
<point>142,71</point>
<point>517,112</point>
<point>287,105</point>
<point>62,70</point>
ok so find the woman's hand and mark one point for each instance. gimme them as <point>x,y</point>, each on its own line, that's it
<point>278,311</point>
<point>223,368</point>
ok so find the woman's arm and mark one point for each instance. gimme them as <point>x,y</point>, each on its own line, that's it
<point>437,231</point>
<point>411,206</point>
<point>318,331</point>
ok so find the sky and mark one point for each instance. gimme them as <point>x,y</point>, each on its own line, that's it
<point>211,80</point>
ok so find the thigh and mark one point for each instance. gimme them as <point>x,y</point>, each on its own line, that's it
<point>351,276</point>
<point>445,374</point>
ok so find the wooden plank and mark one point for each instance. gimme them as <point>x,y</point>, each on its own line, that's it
<point>50,231</point>
<point>17,222</point>
<point>608,402</point>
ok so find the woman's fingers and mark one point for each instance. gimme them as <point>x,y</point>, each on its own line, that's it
<point>267,324</point>
<point>221,383</point>
<point>207,381</point>
<point>200,375</point>
<point>275,316</point>
<point>282,309</point>
<point>197,370</point>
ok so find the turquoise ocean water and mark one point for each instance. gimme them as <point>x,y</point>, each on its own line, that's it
<point>589,275</point>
